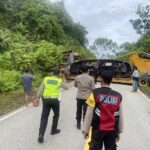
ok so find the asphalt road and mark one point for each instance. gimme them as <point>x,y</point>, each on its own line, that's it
<point>20,132</point>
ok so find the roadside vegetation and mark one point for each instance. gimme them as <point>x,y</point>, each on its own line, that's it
<point>33,33</point>
<point>142,27</point>
<point>146,90</point>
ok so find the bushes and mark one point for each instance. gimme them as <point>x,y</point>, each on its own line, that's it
<point>9,80</point>
<point>48,55</point>
<point>5,61</point>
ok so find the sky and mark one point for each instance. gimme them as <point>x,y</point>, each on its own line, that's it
<point>106,18</point>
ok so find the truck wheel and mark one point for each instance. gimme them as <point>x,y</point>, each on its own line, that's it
<point>143,82</point>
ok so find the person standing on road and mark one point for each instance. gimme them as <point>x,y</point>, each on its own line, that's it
<point>85,84</point>
<point>66,71</point>
<point>27,79</point>
<point>50,90</point>
<point>95,72</point>
<point>104,114</point>
<point>135,77</point>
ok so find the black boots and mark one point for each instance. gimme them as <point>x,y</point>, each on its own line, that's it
<point>40,139</point>
<point>78,125</point>
<point>56,131</point>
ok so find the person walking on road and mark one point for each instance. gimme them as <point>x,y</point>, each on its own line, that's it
<point>135,77</point>
<point>104,114</point>
<point>27,79</point>
<point>85,84</point>
<point>50,90</point>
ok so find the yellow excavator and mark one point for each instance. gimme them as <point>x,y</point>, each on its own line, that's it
<point>69,57</point>
<point>142,62</point>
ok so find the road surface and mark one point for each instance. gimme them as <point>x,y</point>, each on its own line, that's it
<point>20,132</point>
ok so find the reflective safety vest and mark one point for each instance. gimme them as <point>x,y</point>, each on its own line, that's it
<point>52,87</point>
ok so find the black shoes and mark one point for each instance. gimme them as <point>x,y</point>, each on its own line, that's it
<point>78,126</point>
<point>40,139</point>
<point>56,131</point>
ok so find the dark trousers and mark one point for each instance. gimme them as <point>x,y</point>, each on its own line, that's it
<point>81,107</point>
<point>47,105</point>
<point>95,78</point>
<point>100,138</point>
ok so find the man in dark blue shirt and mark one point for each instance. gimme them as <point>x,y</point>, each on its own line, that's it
<point>28,78</point>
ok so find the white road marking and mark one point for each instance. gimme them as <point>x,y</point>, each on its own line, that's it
<point>12,114</point>
<point>144,95</point>
<point>23,108</point>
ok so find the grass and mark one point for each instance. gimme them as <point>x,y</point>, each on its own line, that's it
<point>145,90</point>
<point>10,102</point>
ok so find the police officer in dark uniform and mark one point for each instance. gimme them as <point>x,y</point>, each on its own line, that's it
<point>104,114</point>
<point>50,90</point>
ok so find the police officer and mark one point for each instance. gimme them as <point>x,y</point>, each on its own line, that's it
<point>104,114</point>
<point>50,90</point>
<point>85,84</point>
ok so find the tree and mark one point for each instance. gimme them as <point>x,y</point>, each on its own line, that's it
<point>143,44</point>
<point>5,40</point>
<point>142,24</point>
<point>104,48</point>
<point>75,30</point>
<point>34,33</point>
<point>127,47</point>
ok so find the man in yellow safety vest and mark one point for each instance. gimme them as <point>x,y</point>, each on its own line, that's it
<point>50,90</point>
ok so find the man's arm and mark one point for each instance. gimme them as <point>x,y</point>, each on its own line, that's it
<point>120,119</point>
<point>89,115</point>
<point>40,90</point>
<point>87,121</point>
<point>120,123</point>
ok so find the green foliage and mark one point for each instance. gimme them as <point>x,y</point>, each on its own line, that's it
<point>124,51</point>
<point>34,33</point>
<point>9,80</point>
<point>74,30</point>
<point>5,40</point>
<point>127,47</point>
<point>48,55</point>
<point>38,78</point>
<point>5,61</point>
<point>142,24</point>
<point>144,42</point>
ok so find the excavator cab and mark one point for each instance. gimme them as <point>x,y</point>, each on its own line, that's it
<point>70,57</point>
<point>142,62</point>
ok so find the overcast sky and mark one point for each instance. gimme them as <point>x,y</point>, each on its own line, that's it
<point>106,18</point>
